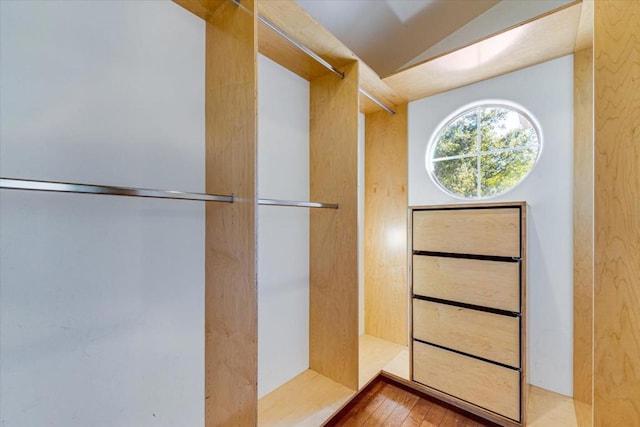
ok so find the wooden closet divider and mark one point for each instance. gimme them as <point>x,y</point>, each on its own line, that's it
<point>230,257</point>
<point>386,289</point>
<point>616,377</point>
<point>333,262</point>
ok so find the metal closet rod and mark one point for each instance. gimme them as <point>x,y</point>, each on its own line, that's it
<point>376,100</point>
<point>295,203</point>
<point>71,187</point>
<point>316,57</point>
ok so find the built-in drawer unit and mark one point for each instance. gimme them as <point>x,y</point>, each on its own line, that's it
<point>468,270</point>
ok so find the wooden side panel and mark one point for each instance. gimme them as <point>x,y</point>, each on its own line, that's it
<point>487,335</point>
<point>333,270</point>
<point>492,284</point>
<point>230,263</point>
<point>473,231</point>
<point>484,384</point>
<point>583,226</point>
<point>617,208</point>
<point>205,9</point>
<point>386,225</point>
<point>524,323</point>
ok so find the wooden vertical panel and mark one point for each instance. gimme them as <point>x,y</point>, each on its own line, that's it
<point>333,270</point>
<point>386,292</point>
<point>524,323</point>
<point>205,9</point>
<point>583,226</point>
<point>230,261</point>
<point>617,209</point>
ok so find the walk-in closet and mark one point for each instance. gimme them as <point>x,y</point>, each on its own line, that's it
<point>215,213</point>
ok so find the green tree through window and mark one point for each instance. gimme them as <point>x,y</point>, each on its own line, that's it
<point>484,151</point>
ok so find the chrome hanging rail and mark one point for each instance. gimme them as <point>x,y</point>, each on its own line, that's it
<point>300,46</point>
<point>70,187</point>
<point>376,100</point>
<point>295,203</point>
<point>316,57</point>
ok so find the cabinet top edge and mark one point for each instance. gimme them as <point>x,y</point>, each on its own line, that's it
<point>521,204</point>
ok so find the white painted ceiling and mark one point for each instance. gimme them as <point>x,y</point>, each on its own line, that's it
<point>390,35</point>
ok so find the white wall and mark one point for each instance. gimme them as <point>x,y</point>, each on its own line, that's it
<point>101,307</point>
<point>546,90</point>
<point>283,232</point>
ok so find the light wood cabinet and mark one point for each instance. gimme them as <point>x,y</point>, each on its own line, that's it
<point>468,270</point>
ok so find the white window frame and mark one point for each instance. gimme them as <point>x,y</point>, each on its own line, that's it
<point>477,105</point>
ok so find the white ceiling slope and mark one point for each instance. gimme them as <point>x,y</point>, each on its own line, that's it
<point>390,35</point>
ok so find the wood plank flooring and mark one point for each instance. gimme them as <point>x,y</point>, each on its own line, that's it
<point>386,403</point>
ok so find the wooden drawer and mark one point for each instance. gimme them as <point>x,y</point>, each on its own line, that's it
<point>494,284</point>
<point>494,231</point>
<point>487,335</point>
<point>484,384</point>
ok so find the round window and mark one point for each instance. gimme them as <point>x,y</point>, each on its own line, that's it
<point>483,150</point>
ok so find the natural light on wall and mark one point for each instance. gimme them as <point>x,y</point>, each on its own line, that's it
<point>483,149</point>
<point>480,54</point>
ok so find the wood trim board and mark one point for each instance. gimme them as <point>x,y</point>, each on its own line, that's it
<point>333,252</point>
<point>616,221</point>
<point>230,236</point>
<point>583,226</point>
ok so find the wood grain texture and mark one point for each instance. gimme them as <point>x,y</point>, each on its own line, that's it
<point>375,355</point>
<point>533,42</point>
<point>333,270</point>
<point>468,231</point>
<point>617,206</point>
<point>494,284</point>
<point>398,367</point>
<point>546,408</point>
<point>583,226</point>
<point>230,263</point>
<point>389,403</point>
<point>385,220</point>
<point>439,228</point>
<point>487,335</point>
<point>481,383</point>
<point>309,399</point>
<point>204,9</point>
<point>584,37</point>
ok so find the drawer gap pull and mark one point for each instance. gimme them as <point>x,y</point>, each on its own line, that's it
<point>468,256</point>
<point>468,355</point>
<point>469,306</point>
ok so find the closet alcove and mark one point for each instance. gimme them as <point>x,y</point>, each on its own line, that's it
<point>340,361</point>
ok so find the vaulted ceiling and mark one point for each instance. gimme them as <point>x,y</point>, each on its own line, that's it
<point>390,35</point>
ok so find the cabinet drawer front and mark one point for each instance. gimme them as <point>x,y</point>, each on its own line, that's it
<point>490,336</point>
<point>486,385</point>
<point>492,284</point>
<point>468,231</point>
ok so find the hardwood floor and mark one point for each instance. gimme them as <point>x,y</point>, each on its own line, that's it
<point>386,403</point>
